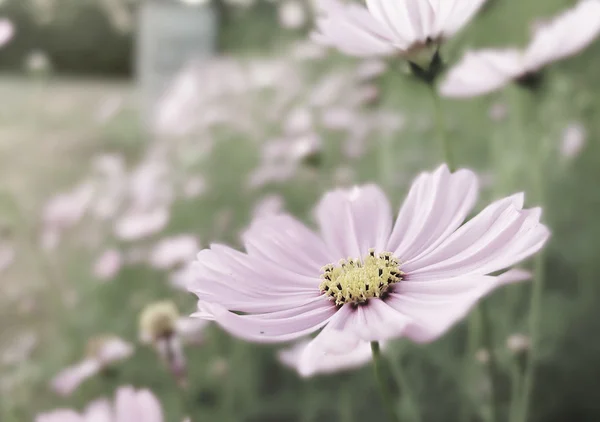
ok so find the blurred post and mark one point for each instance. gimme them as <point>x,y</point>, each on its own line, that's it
<point>171,33</point>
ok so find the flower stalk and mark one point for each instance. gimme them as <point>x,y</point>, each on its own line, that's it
<point>380,376</point>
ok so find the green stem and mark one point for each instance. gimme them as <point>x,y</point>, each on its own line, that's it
<point>515,386</point>
<point>539,151</point>
<point>534,324</point>
<point>381,376</point>
<point>440,123</point>
<point>494,373</point>
<point>404,384</point>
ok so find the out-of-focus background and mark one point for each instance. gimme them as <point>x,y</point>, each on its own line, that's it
<point>129,124</point>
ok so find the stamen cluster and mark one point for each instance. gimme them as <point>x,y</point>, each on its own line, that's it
<point>356,281</point>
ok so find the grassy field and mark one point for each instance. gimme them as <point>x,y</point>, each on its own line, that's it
<point>52,131</point>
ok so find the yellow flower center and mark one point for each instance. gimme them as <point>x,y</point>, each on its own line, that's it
<point>356,281</point>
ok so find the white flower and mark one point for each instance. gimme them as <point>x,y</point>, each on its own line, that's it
<point>173,251</point>
<point>391,26</point>
<point>292,14</point>
<point>138,225</point>
<point>573,140</point>
<point>102,352</point>
<point>7,31</point>
<point>484,71</point>
<point>108,265</point>
<point>129,406</point>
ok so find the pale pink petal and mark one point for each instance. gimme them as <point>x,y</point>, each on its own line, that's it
<point>377,321</point>
<point>126,406</point>
<point>271,327</point>
<point>498,237</point>
<point>397,16</point>
<point>481,72</point>
<point>352,29</point>
<point>149,406</point>
<point>70,378</point>
<point>308,363</point>
<point>99,411</point>
<point>61,415</point>
<point>247,284</point>
<point>436,206</point>
<point>191,329</point>
<point>354,221</point>
<point>7,31</point>
<point>565,35</point>
<point>434,306</point>
<point>285,242</point>
<point>452,15</point>
<point>114,350</point>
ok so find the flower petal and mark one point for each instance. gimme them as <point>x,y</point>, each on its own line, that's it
<point>244,283</point>
<point>149,407</point>
<point>453,15</point>
<point>398,17</point>
<point>331,351</point>
<point>99,411</point>
<point>307,363</point>
<point>70,378</point>
<point>352,30</point>
<point>565,35</point>
<point>353,221</point>
<point>271,327</point>
<point>285,242</point>
<point>61,415</point>
<point>483,71</point>
<point>436,206</point>
<point>498,237</point>
<point>434,306</point>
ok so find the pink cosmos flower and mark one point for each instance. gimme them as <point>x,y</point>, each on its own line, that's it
<point>174,250</point>
<point>129,405</point>
<point>364,277</point>
<point>388,27</point>
<point>108,265</point>
<point>484,71</point>
<point>7,31</point>
<point>103,352</point>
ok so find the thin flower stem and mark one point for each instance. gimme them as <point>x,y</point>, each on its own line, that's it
<point>380,376</point>
<point>535,309</point>
<point>404,385</point>
<point>440,123</point>
<point>534,324</point>
<point>493,370</point>
<point>515,386</point>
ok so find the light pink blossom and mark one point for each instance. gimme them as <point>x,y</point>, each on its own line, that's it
<point>108,265</point>
<point>173,251</point>
<point>137,225</point>
<point>7,31</point>
<point>364,275</point>
<point>388,27</point>
<point>129,405</point>
<point>573,140</point>
<point>484,71</point>
<point>104,351</point>
<point>292,14</point>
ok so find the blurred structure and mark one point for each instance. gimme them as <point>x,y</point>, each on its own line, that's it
<point>171,33</point>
